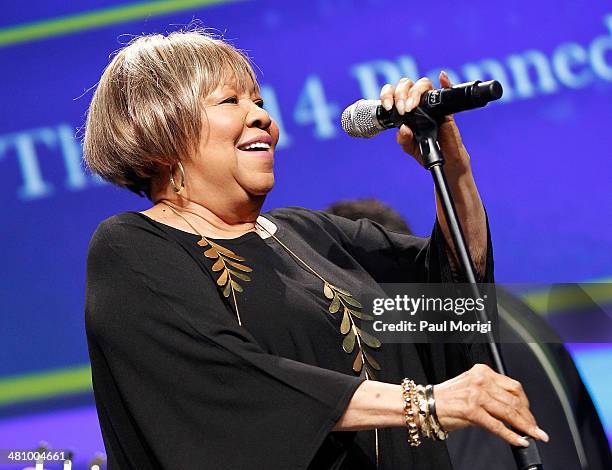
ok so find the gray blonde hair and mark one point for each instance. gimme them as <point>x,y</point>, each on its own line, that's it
<point>146,112</point>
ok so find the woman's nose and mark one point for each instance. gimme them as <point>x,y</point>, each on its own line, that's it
<point>258,117</point>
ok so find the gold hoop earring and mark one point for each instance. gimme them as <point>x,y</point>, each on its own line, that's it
<point>178,189</point>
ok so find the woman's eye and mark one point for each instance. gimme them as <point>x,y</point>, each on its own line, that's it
<point>234,100</point>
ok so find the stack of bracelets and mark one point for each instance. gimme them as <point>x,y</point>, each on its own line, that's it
<point>420,413</point>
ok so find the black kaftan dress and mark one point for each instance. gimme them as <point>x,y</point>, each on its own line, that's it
<point>179,384</point>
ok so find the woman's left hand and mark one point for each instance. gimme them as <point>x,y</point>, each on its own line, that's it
<point>406,96</point>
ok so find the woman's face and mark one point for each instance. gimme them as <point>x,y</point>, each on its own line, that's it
<point>226,164</point>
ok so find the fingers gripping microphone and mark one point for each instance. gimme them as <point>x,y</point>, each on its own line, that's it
<point>366,118</point>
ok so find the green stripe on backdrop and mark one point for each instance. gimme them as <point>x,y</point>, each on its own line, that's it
<point>566,299</point>
<point>77,379</point>
<point>41,385</point>
<point>94,19</point>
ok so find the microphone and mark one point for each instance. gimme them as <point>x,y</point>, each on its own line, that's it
<point>366,118</point>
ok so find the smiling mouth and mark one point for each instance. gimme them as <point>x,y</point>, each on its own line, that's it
<point>256,147</point>
<point>258,151</point>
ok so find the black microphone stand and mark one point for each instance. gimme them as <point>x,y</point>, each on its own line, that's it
<point>425,129</point>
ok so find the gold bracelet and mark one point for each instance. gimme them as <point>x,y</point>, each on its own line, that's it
<point>438,432</point>
<point>408,394</point>
<point>423,407</point>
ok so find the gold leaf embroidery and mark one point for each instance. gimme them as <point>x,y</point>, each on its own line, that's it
<point>218,266</point>
<point>242,267</point>
<point>346,323</point>
<point>224,258</point>
<point>360,315</point>
<point>225,251</point>
<point>327,291</point>
<point>222,278</point>
<point>335,304</point>
<point>368,339</point>
<point>211,253</point>
<point>237,287</point>
<point>350,300</point>
<point>358,363</point>
<point>228,289</point>
<point>352,333</point>
<point>349,342</point>
<point>242,276</point>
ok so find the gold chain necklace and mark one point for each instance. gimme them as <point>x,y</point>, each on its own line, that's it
<point>231,266</point>
<point>229,263</point>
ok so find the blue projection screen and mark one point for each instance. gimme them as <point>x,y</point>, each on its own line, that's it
<point>540,156</point>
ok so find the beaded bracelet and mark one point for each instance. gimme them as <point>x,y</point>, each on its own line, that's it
<point>408,394</point>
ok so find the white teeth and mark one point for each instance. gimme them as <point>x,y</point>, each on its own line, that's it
<point>257,145</point>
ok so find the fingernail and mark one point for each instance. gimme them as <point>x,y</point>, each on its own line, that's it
<point>522,442</point>
<point>409,104</point>
<point>400,106</point>
<point>388,104</point>
<point>542,435</point>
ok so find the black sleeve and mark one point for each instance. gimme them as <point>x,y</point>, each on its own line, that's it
<point>397,257</point>
<point>178,383</point>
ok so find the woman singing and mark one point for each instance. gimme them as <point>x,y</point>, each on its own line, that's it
<point>224,338</point>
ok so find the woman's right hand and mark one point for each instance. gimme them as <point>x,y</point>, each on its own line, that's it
<point>482,397</point>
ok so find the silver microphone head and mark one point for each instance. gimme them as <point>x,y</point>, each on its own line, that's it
<point>359,119</point>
